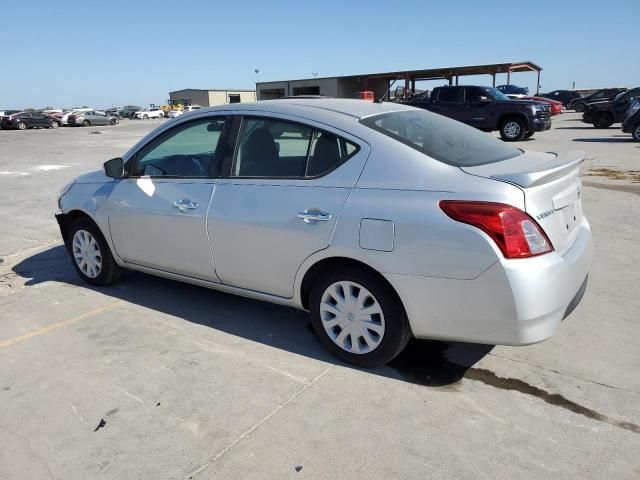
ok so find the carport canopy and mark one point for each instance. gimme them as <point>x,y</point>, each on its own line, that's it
<point>452,74</point>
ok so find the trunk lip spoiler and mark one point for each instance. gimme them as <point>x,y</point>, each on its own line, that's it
<point>552,170</point>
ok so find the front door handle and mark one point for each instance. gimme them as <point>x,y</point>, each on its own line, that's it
<point>184,205</point>
<point>314,216</point>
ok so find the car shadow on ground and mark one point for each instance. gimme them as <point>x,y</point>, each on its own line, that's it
<point>429,363</point>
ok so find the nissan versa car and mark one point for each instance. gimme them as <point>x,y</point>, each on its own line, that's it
<point>382,220</point>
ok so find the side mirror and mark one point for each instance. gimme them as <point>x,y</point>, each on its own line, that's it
<point>484,99</point>
<point>114,168</point>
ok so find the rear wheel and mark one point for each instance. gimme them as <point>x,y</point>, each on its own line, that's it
<point>512,129</point>
<point>55,124</point>
<point>636,133</point>
<point>603,120</point>
<point>86,123</point>
<point>90,253</point>
<point>22,126</point>
<point>358,317</point>
<point>145,117</point>
<point>579,107</point>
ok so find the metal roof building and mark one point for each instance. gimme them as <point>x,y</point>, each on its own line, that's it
<point>346,86</point>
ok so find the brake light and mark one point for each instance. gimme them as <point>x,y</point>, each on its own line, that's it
<point>516,233</point>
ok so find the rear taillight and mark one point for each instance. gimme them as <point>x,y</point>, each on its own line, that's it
<point>516,233</point>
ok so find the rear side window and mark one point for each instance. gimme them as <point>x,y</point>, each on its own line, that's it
<point>449,95</point>
<point>271,148</point>
<point>442,138</point>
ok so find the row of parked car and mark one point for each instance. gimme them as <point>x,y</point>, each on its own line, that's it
<point>82,117</point>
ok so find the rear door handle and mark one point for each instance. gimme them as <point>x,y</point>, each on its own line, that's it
<point>184,205</point>
<point>314,216</point>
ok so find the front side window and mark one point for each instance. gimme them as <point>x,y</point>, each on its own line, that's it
<point>189,150</point>
<point>442,138</point>
<point>270,148</point>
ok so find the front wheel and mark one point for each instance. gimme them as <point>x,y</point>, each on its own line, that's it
<point>145,117</point>
<point>22,126</point>
<point>579,107</point>
<point>358,317</point>
<point>512,129</point>
<point>636,133</point>
<point>528,135</point>
<point>86,123</point>
<point>55,124</point>
<point>90,253</point>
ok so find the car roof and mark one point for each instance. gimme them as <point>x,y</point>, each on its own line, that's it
<point>354,108</point>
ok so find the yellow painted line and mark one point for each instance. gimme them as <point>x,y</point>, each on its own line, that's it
<point>55,326</point>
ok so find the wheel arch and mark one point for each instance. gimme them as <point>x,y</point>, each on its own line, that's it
<point>518,115</point>
<point>320,266</point>
<point>65,220</point>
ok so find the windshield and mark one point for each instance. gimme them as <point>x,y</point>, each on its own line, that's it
<point>442,138</point>
<point>495,93</point>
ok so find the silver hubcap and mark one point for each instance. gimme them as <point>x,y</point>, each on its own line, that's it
<point>512,129</point>
<point>86,252</point>
<point>352,317</point>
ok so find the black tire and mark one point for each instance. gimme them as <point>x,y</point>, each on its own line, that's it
<point>512,129</point>
<point>113,121</point>
<point>579,106</point>
<point>86,123</point>
<point>145,117</point>
<point>602,120</point>
<point>528,135</point>
<point>397,331</point>
<point>22,126</point>
<point>110,271</point>
<point>636,132</point>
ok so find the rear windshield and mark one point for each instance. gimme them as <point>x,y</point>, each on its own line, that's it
<point>441,138</point>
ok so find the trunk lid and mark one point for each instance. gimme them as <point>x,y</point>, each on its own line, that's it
<point>552,190</point>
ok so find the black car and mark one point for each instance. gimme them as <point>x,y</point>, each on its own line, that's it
<point>564,96</point>
<point>513,90</point>
<point>579,104</point>
<point>488,109</point>
<point>631,122</point>
<point>24,120</point>
<point>605,114</point>
<point>129,111</point>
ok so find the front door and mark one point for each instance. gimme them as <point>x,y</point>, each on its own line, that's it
<point>280,202</point>
<point>157,216</point>
<point>477,109</point>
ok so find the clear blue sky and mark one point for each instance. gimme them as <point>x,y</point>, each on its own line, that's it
<point>78,52</point>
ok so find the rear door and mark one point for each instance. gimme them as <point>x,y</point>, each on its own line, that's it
<point>449,103</point>
<point>280,202</point>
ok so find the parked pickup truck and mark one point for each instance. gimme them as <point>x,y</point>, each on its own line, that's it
<point>488,109</point>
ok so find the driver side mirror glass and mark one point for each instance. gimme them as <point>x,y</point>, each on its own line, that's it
<point>114,168</point>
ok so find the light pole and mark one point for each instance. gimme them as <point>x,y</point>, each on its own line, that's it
<point>257,72</point>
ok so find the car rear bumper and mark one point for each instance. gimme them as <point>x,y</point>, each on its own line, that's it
<point>515,302</point>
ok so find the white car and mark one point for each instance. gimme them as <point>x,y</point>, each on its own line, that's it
<point>177,113</point>
<point>149,113</point>
<point>382,220</point>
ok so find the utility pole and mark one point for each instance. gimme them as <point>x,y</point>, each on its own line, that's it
<point>257,72</point>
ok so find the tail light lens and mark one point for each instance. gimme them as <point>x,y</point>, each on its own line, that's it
<point>516,233</point>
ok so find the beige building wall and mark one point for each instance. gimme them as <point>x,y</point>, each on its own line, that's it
<point>221,97</point>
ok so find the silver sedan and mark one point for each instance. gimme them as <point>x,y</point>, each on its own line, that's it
<point>383,221</point>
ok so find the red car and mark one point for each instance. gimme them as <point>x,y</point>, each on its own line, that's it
<point>556,107</point>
